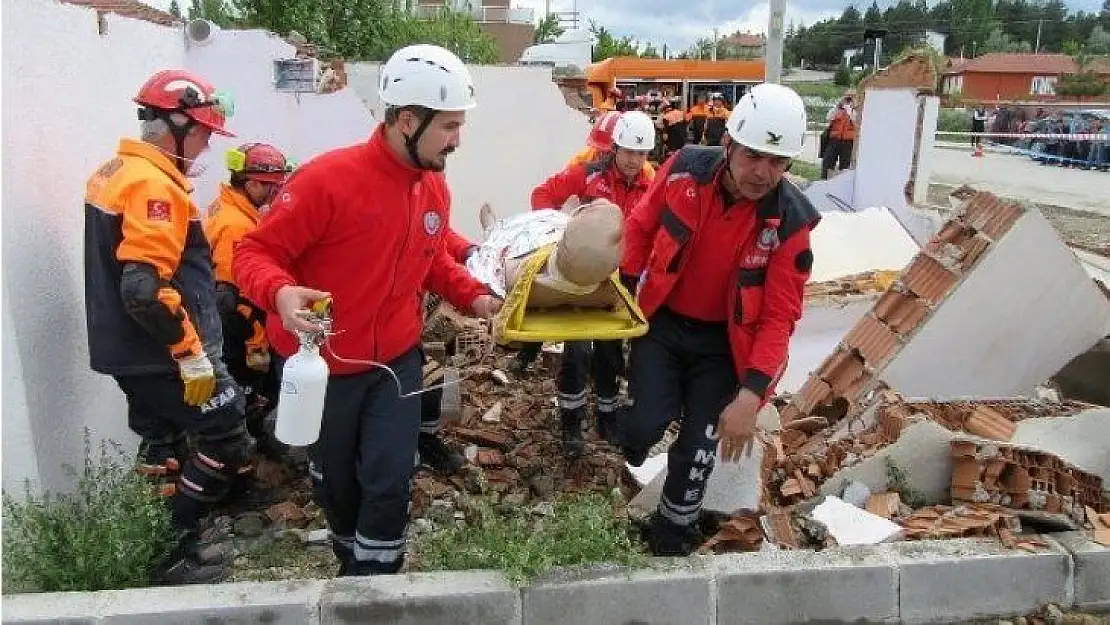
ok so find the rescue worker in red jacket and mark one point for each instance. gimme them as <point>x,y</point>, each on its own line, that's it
<point>722,244</point>
<point>365,225</point>
<point>257,170</point>
<point>617,176</point>
<point>434,453</point>
<point>150,302</point>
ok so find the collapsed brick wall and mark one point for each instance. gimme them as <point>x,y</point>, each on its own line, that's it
<point>848,381</point>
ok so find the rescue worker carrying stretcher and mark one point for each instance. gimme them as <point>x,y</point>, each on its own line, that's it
<point>257,171</point>
<point>722,243</point>
<point>617,176</point>
<point>151,308</point>
<point>365,225</point>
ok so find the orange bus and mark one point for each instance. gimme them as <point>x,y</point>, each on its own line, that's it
<point>667,78</point>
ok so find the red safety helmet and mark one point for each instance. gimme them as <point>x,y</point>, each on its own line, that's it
<point>601,135</point>
<point>259,161</point>
<point>181,91</point>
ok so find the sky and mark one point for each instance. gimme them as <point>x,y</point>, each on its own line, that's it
<point>678,23</point>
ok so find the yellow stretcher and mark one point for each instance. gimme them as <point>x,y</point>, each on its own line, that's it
<point>516,323</point>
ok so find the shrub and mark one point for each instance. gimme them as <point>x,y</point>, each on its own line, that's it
<point>109,533</point>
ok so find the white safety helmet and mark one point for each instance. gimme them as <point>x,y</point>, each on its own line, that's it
<point>770,119</point>
<point>634,131</point>
<point>428,76</point>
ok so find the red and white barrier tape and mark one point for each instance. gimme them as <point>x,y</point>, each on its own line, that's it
<point>1035,135</point>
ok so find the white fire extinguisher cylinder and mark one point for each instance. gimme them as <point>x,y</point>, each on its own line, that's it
<point>300,409</point>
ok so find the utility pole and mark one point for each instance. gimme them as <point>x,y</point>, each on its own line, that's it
<point>1037,48</point>
<point>713,50</point>
<point>775,37</point>
<point>546,8</point>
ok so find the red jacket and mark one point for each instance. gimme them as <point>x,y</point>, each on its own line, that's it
<point>364,225</point>
<point>770,271</point>
<point>590,181</point>
<point>458,247</point>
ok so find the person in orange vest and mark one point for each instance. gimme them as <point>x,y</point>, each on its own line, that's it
<point>150,305</point>
<point>673,122</point>
<point>257,170</point>
<point>619,177</point>
<point>842,137</point>
<point>715,120</point>
<point>720,247</point>
<point>697,116</point>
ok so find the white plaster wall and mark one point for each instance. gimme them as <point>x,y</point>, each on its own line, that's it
<point>822,327</point>
<point>520,133</point>
<point>301,125</point>
<point>65,104</point>
<point>17,437</point>
<point>848,243</point>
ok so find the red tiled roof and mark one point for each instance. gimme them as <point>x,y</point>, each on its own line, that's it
<point>1017,63</point>
<point>128,8</point>
<point>745,40</point>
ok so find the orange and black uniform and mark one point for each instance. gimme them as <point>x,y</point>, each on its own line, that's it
<point>150,300</point>
<point>363,224</point>
<point>841,142</point>
<point>674,129</point>
<point>697,115</point>
<point>228,219</point>
<point>722,284</point>
<point>595,180</point>
<point>715,124</point>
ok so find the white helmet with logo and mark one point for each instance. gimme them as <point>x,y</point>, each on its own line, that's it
<point>428,76</point>
<point>770,119</point>
<point>634,131</point>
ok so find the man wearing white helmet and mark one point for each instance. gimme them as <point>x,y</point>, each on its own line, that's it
<point>618,176</point>
<point>366,226</point>
<point>721,246</point>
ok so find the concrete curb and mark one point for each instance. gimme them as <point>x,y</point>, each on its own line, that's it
<point>910,582</point>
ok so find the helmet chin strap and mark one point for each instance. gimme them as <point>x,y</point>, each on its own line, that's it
<point>414,138</point>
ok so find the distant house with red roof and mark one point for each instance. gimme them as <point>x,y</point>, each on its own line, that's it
<point>1011,76</point>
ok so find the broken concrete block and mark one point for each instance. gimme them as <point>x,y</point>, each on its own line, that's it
<point>922,452</point>
<point>850,525</point>
<point>1082,439</point>
<point>732,487</point>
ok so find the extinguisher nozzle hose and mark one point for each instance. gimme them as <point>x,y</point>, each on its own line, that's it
<point>393,374</point>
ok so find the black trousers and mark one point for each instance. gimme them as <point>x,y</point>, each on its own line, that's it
<point>838,155</point>
<point>602,360</point>
<point>681,369</point>
<point>157,412</point>
<point>363,463</point>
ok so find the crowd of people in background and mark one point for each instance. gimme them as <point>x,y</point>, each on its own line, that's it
<point>1081,153</point>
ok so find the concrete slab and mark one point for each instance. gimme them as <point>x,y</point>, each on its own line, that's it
<point>288,602</point>
<point>732,486</point>
<point>850,525</point>
<point>823,325</point>
<point>55,608</point>
<point>844,584</point>
<point>960,579</point>
<point>447,598</point>
<point>922,451</point>
<point>1091,562</point>
<point>848,243</point>
<point>682,595</point>
<point>1082,439</point>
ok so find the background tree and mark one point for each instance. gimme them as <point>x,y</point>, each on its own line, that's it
<point>609,46</point>
<point>548,29</point>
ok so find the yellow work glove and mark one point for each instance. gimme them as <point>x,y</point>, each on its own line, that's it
<point>258,360</point>
<point>199,379</point>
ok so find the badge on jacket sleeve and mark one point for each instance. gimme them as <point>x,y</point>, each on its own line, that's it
<point>432,222</point>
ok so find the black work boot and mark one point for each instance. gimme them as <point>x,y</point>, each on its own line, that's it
<point>665,538</point>
<point>437,456</point>
<point>183,567</point>
<point>574,446</point>
<point>607,427</point>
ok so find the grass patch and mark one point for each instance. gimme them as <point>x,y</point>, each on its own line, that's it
<point>805,169</point>
<point>585,529</point>
<point>897,480</point>
<point>109,533</point>
<point>286,557</point>
<point>951,120</point>
<point>827,90</point>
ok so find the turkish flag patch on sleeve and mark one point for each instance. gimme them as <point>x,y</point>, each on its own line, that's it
<point>158,210</point>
